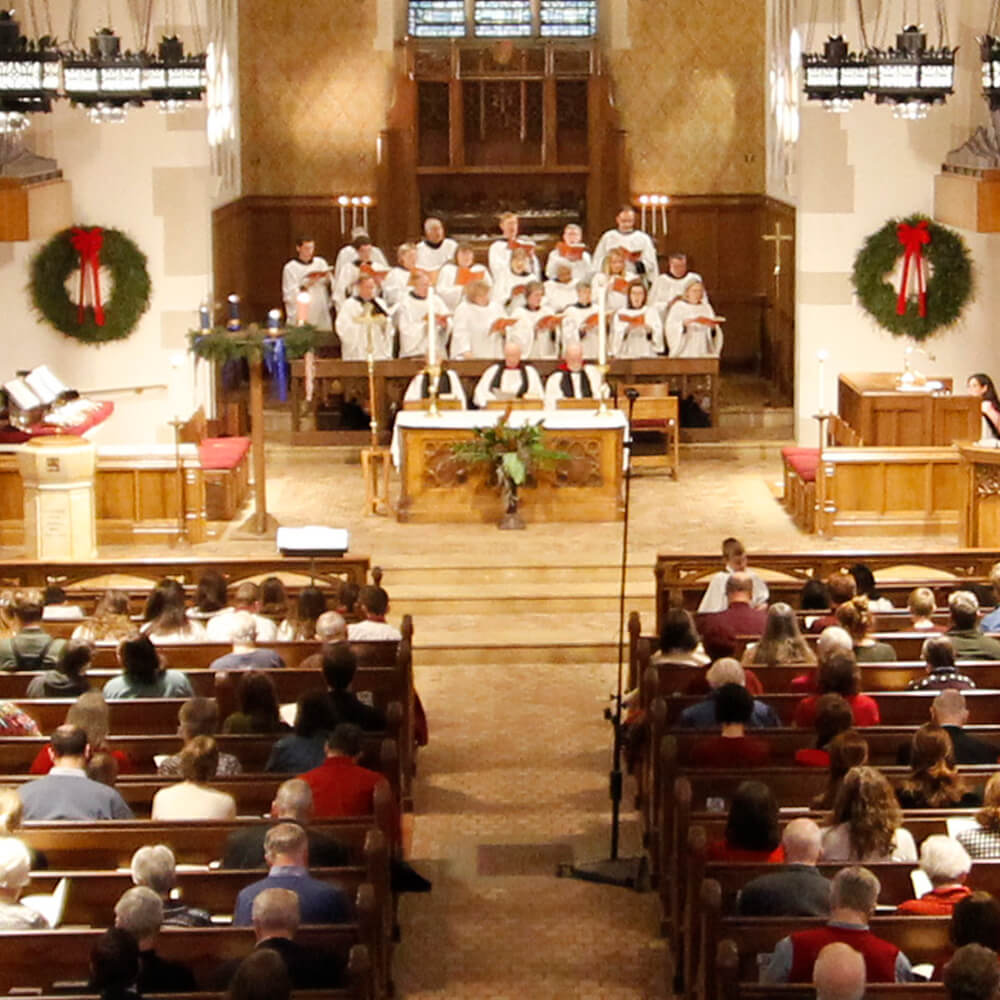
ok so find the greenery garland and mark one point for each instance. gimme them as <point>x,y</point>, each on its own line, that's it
<point>949,287</point>
<point>221,344</point>
<point>57,259</point>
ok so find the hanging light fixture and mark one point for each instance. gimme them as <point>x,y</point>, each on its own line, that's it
<point>173,78</point>
<point>989,50</point>
<point>29,75</point>
<point>836,76</point>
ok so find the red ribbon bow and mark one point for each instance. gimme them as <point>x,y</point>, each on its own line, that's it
<point>913,238</point>
<point>87,243</point>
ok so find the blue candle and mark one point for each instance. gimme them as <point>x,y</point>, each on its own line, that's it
<point>205,316</point>
<point>274,319</point>
<point>234,312</point>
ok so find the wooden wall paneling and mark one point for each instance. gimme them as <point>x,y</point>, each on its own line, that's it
<point>778,320</point>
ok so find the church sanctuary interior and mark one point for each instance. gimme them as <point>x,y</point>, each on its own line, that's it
<point>507,492</point>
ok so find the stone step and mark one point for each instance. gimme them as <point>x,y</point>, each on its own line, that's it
<point>524,654</point>
<point>401,578</point>
<point>500,605</point>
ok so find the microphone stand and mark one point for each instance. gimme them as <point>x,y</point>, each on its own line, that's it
<point>628,873</point>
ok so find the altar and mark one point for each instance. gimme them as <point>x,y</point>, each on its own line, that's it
<point>437,487</point>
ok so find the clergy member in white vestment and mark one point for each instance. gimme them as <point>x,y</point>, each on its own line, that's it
<point>510,285</point>
<point>618,281</point>
<point>500,250</point>
<point>636,330</point>
<point>399,280</point>
<point>693,329</point>
<point>454,278</point>
<point>411,319</point>
<point>570,251</point>
<point>435,249</point>
<point>671,284</point>
<point>449,386</point>
<point>573,379</point>
<point>479,326</point>
<point>509,379</point>
<point>580,321</point>
<point>639,248</point>
<point>560,291</point>
<point>348,252</point>
<point>537,328</point>
<point>306,272</point>
<point>715,599</point>
<point>352,327</point>
<point>363,264</point>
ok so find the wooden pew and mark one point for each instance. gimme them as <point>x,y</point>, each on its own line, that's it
<point>730,988</point>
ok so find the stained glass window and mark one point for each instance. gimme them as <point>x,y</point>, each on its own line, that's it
<point>503,18</point>
<point>569,18</point>
<point>437,18</point>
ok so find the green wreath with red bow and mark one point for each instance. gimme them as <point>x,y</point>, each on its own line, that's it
<point>95,317</point>
<point>922,304</point>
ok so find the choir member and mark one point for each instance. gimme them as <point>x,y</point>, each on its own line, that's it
<point>364,263</point>
<point>572,251</point>
<point>637,245</point>
<point>454,278</point>
<point>560,291</point>
<point>981,385</point>
<point>573,379</point>
<point>400,279</point>
<point>307,272</point>
<point>670,286</point>
<point>449,386</point>
<point>435,249</point>
<point>580,321</point>
<point>479,326</point>
<point>537,327</point>
<point>501,250</point>
<point>510,285</point>
<point>508,379</point>
<point>615,267</point>
<point>636,331</point>
<point>411,319</point>
<point>693,329</point>
<point>352,327</point>
<point>347,253</point>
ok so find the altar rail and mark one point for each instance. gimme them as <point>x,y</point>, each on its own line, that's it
<point>697,377</point>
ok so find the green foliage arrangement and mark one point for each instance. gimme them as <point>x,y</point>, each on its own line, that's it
<point>220,344</point>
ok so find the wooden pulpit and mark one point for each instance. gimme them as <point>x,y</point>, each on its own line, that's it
<point>979,516</point>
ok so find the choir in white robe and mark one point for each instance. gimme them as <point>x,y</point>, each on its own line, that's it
<point>564,384</point>
<point>293,276</point>
<point>509,288</point>
<point>500,251</point>
<point>580,324</point>
<point>349,252</point>
<point>537,330</point>
<point>449,387</point>
<point>479,331</point>
<point>667,288</point>
<point>397,283</point>
<point>501,382</point>
<point>353,331</point>
<point>577,258</point>
<point>617,297</point>
<point>411,319</point>
<point>432,258</point>
<point>637,246</point>
<point>687,339</point>
<point>560,294</point>
<point>452,281</point>
<point>637,333</point>
<point>344,286</point>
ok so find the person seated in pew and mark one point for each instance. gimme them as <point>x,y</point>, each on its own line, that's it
<point>340,664</point>
<point>983,839</point>
<point>109,623</point>
<point>273,599</point>
<point>31,648</point>
<point>245,654</point>
<point>864,579</point>
<point>814,596</point>
<point>702,715</point>
<point>56,606</point>
<point>245,598</point>
<point>920,605</point>
<point>991,622</point>
<point>735,557</point>
<point>165,616</point>
<point>210,596</point>
<point>14,721</point>
<point>969,642</point>
<point>347,603</point>
<point>262,975</point>
<point>15,873</point>
<point>781,641</point>
<point>69,676</point>
<point>305,746</point>
<point>572,379</point>
<point>294,804</point>
<point>976,920</point>
<point>839,973</point>
<point>866,822</point>
<point>732,747</point>
<point>838,674</point>
<point>155,867</point>
<point>66,792</point>
<point>832,639</point>
<point>198,717</point>
<point>374,604</point>
<point>114,966</point>
<point>143,675</point>
<point>934,782</point>
<point>939,657</point>
<point>276,917</point>
<point>853,897</point>
<point>721,630</point>
<point>950,712</point>
<point>140,912</point>
<point>286,850</point>
<point>856,619</point>
<point>679,641</point>
<point>752,829</point>
<point>510,379</point>
<point>331,629</point>
<point>257,707</point>
<point>796,888</point>
<point>89,712</point>
<point>103,767</point>
<point>947,864</point>
<point>192,799</point>
<point>972,973</point>
<point>841,587</point>
<point>833,717</point>
<point>848,749</point>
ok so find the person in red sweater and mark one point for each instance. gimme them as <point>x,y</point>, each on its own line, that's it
<point>852,903</point>
<point>752,831</point>
<point>721,630</point>
<point>838,674</point>
<point>833,717</point>
<point>946,863</point>
<point>841,587</point>
<point>732,747</point>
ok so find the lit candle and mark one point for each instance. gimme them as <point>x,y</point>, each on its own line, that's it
<point>355,202</point>
<point>274,319</point>
<point>343,201</point>
<point>821,357</point>
<point>643,202</point>
<point>302,302</point>
<point>664,201</point>
<point>205,316</point>
<point>431,332</point>
<point>234,312</point>
<point>602,319</point>
<point>366,201</point>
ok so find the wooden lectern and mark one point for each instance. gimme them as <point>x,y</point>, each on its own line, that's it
<point>979,516</point>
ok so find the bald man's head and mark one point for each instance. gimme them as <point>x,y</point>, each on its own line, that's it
<point>802,841</point>
<point>839,973</point>
<point>573,355</point>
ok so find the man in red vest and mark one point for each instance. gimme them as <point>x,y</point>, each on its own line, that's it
<point>852,903</point>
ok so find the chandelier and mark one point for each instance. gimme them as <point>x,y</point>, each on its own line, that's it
<point>837,76</point>
<point>989,51</point>
<point>911,77</point>
<point>29,75</point>
<point>174,79</point>
<point>105,81</point>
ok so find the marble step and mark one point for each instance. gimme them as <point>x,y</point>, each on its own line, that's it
<point>501,604</point>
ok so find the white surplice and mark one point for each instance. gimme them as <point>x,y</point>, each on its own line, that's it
<point>353,331</point>
<point>687,339</point>
<point>293,278</point>
<point>475,333</point>
<point>633,243</point>
<point>643,339</point>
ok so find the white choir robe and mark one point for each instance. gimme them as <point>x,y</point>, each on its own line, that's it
<point>633,243</point>
<point>692,340</point>
<point>579,262</point>
<point>636,333</point>
<point>498,259</point>
<point>617,297</point>
<point>348,253</point>
<point>667,288</point>
<point>452,282</point>
<point>539,340</point>
<point>410,319</point>
<point>432,259</point>
<point>353,331</point>
<point>555,386</point>
<point>508,289</point>
<point>560,294</point>
<point>580,324</point>
<point>511,383</point>
<point>293,275</point>
<point>397,283</point>
<point>419,388</point>
<point>344,286</point>
<point>479,331</point>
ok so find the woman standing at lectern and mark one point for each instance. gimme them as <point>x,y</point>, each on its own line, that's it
<point>982,386</point>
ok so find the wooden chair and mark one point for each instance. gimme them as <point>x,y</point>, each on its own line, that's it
<point>655,411</point>
<point>425,404</point>
<point>514,404</point>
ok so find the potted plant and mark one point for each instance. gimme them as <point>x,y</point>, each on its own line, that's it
<point>513,454</point>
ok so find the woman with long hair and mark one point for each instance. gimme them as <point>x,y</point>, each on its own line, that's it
<point>274,601</point>
<point>110,621</point>
<point>838,674</point>
<point>866,822</point>
<point>856,617</point>
<point>981,385</point>
<point>983,839</point>
<point>192,798</point>
<point>143,675</point>
<point>301,621</point>
<point>210,596</point>
<point>305,747</point>
<point>257,708</point>
<point>166,617</point>
<point>752,829</point>
<point>847,750</point>
<point>91,714</point>
<point>833,717</point>
<point>934,781</point>
<point>69,678</point>
<point>781,641</point>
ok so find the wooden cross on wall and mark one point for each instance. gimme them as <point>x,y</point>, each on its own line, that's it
<point>777,238</point>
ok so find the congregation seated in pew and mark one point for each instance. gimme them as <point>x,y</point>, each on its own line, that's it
<point>143,675</point>
<point>257,707</point>
<point>969,642</point>
<point>934,782</point>
<point>854,616</point>
<point>947,865</point>
<point>68,678</point>
<point>155,868</point>
<point>198,717</point>
<point>165,618</point>
<point>110,622</point>
<point>246,655</point>
<point>838,673</point>
<point>752,832</point>
<point>939,655</point>
<point>139,912</point>
<point>703,714</point>
<point>30,647</point>
<point>15,873</point>
<point>735,559</point>
<point>193,798</point>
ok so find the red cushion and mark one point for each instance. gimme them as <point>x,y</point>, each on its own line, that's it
<point>653,424</point>
<point>223,453</point>
<point>805,466</point>
<point>795,449</point>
